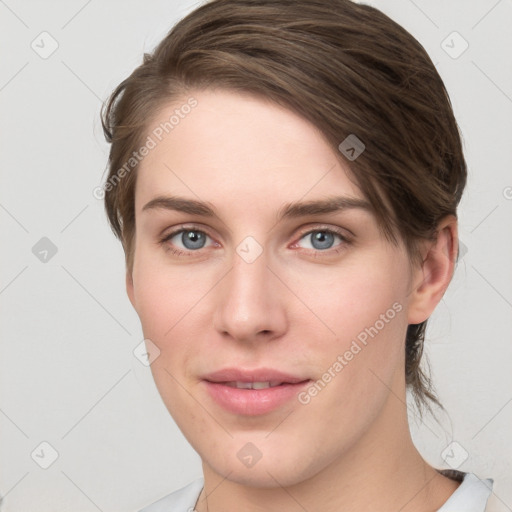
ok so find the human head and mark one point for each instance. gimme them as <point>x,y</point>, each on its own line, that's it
<point>347,69</point>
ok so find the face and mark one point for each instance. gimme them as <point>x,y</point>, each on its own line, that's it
<point>243,284</point>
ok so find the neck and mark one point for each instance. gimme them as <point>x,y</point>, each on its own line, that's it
<point>383,471</point>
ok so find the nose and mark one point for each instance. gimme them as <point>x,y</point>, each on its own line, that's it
<point>250,302</point>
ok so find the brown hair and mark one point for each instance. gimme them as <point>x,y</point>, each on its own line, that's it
<point>345,67</point>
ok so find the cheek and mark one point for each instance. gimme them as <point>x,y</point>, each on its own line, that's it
<point>165,301</point>
<point>364,309</point>
<point>164,294</point>
<point>170,304</point>
<point>354,297</point>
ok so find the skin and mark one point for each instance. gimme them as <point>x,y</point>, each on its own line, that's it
<point>295,308</point>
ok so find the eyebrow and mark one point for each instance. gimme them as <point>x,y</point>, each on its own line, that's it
<point>289,210</point>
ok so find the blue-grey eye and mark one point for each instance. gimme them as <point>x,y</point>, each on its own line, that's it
<point>192,239</point>
<point>189,239</point>
<point>320,239</point>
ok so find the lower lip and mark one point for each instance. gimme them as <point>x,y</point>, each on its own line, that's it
<point>252,402</point>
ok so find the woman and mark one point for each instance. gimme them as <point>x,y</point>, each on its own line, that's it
<point>284,177</point>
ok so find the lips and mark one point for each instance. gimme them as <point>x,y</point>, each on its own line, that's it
<point>252,392</point>
<point>256,375</point>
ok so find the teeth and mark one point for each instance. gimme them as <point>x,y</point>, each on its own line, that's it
<point>242,385</point>
<point>253,385</point>
<point>260,385</point>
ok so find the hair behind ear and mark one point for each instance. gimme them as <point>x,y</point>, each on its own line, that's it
<point>415,376</point>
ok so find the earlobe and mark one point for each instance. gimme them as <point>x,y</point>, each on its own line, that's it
<point>432,278</point>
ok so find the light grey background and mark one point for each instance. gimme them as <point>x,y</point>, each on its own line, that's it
<point>68,374</point>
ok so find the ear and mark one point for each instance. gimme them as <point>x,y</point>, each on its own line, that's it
<point>432,277</point>
<point>129,288</point>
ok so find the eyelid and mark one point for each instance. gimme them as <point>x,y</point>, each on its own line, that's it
<point>311,228</point>
<point>166,236</point>
<point>341,232</point>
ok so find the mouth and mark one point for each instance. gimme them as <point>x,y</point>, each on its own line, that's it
<point>253,385</point>
<point>252,392</point>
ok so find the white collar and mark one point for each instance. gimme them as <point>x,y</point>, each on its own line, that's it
<point>471,495</point>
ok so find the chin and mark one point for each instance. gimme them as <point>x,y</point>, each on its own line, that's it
<point>276,465</point>
<point>262,476</point>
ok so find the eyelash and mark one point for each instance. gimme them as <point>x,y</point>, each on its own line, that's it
<point>179,252</point>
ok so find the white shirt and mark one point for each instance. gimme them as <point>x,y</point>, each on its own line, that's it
<point>471,496</point>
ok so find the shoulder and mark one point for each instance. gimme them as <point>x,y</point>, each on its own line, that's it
<point>471,496</point>
<point>182,500</point>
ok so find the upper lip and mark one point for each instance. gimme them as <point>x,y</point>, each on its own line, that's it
<point>254,375</point>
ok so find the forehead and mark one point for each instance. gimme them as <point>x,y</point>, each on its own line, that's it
<point>236,148</point>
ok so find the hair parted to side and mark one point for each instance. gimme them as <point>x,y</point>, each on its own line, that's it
<point>345,67</point>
